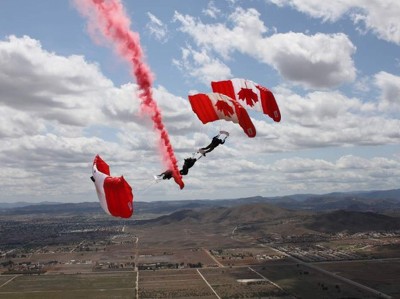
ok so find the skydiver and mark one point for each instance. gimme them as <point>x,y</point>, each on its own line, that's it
<point>166,175</point>
<point>214,143</point>
<point>189,162</point>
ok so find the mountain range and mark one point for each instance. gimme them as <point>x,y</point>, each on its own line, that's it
<point>363,201</point>
<point>328,213</point>
<point>265,217</point>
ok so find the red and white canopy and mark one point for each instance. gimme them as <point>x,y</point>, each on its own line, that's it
<point>114,193</point>
<point>215,106</point>
<point>250,95</point>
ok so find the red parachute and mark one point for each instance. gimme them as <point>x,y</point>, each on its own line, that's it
<point>114,193</point>
<point>215,106</point>
<point>250,94</point>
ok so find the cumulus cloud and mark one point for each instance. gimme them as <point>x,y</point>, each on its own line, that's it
<point>51,131</point>
<point>318,61</point>
<point>48,85</point>
<point>390,90</point>
<point>323,119</point>
<point>247,28</point>
<point>15,123</point>
<point>291,175</point>
<point>57,113</point>
<point>380,17</point>
<point>346,173</point>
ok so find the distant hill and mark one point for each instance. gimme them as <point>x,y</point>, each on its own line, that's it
<point>352,222</point>
<point>256,216</point>
<point>393,194</point>
<point>19,204</point>
<point>259,216</point>
<point>373,201</point>
<point>350,203</point>
<point>55,208</point>
<point>250,213</point>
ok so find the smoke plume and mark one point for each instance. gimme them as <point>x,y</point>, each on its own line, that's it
<point>108,18</point>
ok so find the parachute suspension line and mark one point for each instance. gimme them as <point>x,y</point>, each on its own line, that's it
<point>146,187</point>
<point>222,128</point>
<point>150,183</point>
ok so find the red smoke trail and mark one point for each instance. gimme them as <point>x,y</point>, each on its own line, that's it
<point>109,18</point>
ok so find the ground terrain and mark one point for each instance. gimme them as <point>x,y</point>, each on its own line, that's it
<point>246,251</point>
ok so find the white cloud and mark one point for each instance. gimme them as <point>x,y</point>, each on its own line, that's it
<point>301,165</point>
<point>48,85</point>
<point>247,29</point>
<point>211,10</point>
<point>51,131</point>
<point>379,16</point>
<point>320,60</point>
<point>57,113</point>
<point>251,176</point>
<point>362,85</point>
<point>202,66</point>
<point>321,120</point>
<point>15,123</point>
<point>346,173</point>
<point>157,28</point>
<point>390,90</point>
<point>329,11</point>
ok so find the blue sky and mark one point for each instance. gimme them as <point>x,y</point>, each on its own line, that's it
<point>334,69</point>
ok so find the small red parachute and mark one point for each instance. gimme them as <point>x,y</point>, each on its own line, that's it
<point>250,95</point>
<point>114,193</point>
<point>215,106</point>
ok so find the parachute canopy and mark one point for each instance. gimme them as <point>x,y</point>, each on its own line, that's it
<point>250,95</point>
<point>114,193</point>
<point>215,106</point>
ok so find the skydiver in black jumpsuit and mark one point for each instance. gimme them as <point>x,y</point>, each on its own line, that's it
<point>166,175</point>
<point>214,143</point>
<point>189,162</point>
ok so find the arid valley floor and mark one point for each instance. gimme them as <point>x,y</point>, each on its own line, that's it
<point>246,251</point>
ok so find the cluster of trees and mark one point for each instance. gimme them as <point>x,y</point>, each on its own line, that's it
<point>155,266</point>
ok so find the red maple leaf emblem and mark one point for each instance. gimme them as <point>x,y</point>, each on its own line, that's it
<point>248,95</point>
<point>225,108</point>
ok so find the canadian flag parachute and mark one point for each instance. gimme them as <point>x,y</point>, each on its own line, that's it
<point>215,106</point>
<point>114,193</point>
<point>250,95</point>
